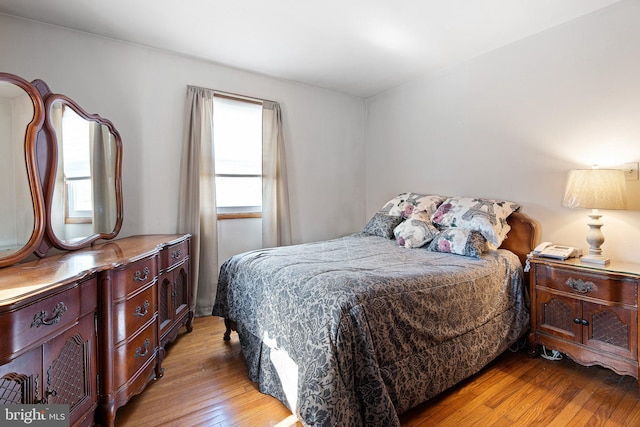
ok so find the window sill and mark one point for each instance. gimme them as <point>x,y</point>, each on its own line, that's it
<point>78,220</point>
<point>239,215</point>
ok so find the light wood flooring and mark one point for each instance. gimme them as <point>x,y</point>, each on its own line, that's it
<point>206,384</point>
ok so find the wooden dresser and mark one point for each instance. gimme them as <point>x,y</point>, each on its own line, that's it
<point>88,328</point>
<point>588,311</point>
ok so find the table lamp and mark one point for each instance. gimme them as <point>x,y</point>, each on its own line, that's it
<point>595,189</point>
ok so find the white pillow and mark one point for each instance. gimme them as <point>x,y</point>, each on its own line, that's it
<point>414,233</point>
<point>406,204</point>
<point>487,216</point>
<point>459,241</point>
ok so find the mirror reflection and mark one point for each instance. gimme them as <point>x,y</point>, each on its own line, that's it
<point>84,199</point>
<point>17,216</point>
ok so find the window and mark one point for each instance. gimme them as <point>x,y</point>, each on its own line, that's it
<point>237,140</point>
<point>77,173</point>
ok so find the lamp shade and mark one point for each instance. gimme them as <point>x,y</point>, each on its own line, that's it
<point>596,189</point>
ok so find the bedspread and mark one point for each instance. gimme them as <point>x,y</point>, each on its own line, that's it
<point>356,330</point>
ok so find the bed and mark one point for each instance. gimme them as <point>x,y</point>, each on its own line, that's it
<point>357,330</point>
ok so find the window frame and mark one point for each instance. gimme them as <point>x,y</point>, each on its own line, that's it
<point>71,216</point>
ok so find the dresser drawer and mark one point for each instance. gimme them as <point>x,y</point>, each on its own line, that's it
<point>583,283</point>
<point>134,276</point>
<point>132,314</point>
<point>173,254</point>
<point>138,382</point>
<point>133,354</point>
<point>39,320</point>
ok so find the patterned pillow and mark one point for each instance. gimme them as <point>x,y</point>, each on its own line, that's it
<point>406,204</point>
<point>459,241</point>
<point>489,217</point>
<point>382,225</point>
<point>414,233</point>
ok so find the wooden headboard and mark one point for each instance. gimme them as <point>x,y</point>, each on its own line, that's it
<point>522,237</point>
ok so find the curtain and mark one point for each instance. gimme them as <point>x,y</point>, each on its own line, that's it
<point>197,207</point>
<point>276,223</point>
<point>103,169</point>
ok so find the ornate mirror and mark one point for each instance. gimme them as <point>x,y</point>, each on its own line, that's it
<point>21,206</point>
<point>83,192</point>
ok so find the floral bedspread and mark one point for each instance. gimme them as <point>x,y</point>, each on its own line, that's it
<point>356,330</point>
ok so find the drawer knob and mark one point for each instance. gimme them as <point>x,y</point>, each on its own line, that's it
<point>176,254</point>
<point>580,286</point>
<point>584,322</point>
<point>144,350</point>
<point>141,276</point>
<point>142,311</point>
<point>40,319</point>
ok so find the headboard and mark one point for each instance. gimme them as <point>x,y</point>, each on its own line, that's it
<point>522,237</point>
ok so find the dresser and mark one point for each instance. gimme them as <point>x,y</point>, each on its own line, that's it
<point>88,328</point>
<point>587,311</point>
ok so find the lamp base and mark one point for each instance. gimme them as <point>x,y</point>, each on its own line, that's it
<point>595,238</point>
<point>595,259</point>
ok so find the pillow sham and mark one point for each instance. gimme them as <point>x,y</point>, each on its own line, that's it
<point>487,216</point>
<point>406,204</point>
<point>382,225</point>
<point>414,233</point>
<point>392,206</point>
<point>459,241</point>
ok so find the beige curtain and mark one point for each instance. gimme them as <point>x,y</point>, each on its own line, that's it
<point>197,206</point>
<point>276,223</point>
<point>103,169</point>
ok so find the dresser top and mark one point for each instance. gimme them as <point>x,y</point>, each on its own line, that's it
<point>22,281</point>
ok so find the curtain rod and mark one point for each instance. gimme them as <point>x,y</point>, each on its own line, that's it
<point>237,95</point>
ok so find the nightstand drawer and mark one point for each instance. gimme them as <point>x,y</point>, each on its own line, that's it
<point>583,283</point>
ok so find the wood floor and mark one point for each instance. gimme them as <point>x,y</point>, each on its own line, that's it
<point>206,384</point>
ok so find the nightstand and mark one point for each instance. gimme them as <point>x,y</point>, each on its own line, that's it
<point>589,312</point>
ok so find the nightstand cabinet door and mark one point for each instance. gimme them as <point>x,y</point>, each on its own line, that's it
<point>611,329</point>
<point>560,316</point>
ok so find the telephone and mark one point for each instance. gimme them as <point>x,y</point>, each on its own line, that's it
<point>549,250</point>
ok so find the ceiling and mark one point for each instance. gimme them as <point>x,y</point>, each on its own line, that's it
<point>358,47</point>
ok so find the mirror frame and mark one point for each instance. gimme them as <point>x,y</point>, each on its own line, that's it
<point>35,188</point>
<point>49,182</point>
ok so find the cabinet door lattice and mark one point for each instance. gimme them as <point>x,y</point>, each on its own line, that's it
<point>66,380</point>
<point>14,389</point>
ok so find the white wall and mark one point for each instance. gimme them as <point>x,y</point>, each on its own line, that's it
<point>142,91</point>
<point>511,124</point>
